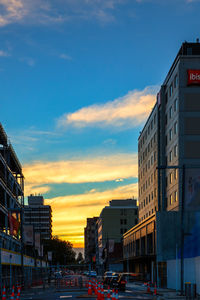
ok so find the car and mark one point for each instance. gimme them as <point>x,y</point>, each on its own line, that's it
<point>93,274</point>
<point>108,277</point>
<point>119,283</point>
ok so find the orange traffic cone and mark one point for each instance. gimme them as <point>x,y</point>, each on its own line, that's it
<point>4,293</point>
<point>18,292</point>
<point>148,288</point>
<point>116,295</point>
<point>108,293</point>
<point>98,292</point>
<point>89,289</point>
<point>155,290</point>
<point>102,292</point>
<point>12,297</point>
<point>113,295</point>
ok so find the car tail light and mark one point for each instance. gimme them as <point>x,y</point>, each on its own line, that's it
<point>123,281</point>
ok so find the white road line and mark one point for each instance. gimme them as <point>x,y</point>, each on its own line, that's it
<point>66,296</point>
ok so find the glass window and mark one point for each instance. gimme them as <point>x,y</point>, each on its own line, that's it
<point>170,90</point>
<point>170,178</point>
<point>175,196</point>
<point>175,174</point>
<point>170,199</point>
<point>170,156</point>
<point>175,127</point>
<point>170,112</point>
<point>175,150</point>
<point>175,105</point>
<point>170,134</point>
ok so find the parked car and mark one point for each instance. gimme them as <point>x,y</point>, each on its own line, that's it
<point>119,282</point>
<point>108,277</point>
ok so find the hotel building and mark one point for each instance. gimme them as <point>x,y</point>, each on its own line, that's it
<point>168,180</point>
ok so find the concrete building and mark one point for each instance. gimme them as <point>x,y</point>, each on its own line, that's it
<point>39,215</point>
<point>168,180</point>
<point>112,223</point>
<point>11,204</point>
<point>89,240</point>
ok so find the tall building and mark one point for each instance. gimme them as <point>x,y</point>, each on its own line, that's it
<point>89,239</point>
<point>168,179</point>
<point>39,215</point>
<point>112,223</point>
<point>11,205</point>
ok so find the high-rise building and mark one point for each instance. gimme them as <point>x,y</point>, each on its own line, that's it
<point>39,215</point>
<point>89,239</point>
<point>112,223</point>
<point>168,179</point>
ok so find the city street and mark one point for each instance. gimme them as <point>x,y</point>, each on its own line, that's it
<point>78,294</point>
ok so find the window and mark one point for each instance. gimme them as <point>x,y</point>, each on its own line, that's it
<point>152,195</point>
<point>152,160</point>
<point>170,199</point>
<point>170,90</point>
<point>175,81</point>
<point>170,112</point>
<point>170,177</point>
<point>175,127</point>
<point>152,124</point>
<point>146,200</point>
<point>152,210</point>
<point>149,129</point>
<point>149,198</point>
<point>175,105</point>
<point>170,134</point>
<point>175,174</point>
<point>170,156</point>
<point>166,119</point>
<point>175,150</point>
<point>175,196</point>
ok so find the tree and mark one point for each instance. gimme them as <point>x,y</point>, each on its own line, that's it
<point>80,259</point>
<point>62,251</point>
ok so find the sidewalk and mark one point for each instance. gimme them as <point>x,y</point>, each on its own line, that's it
<point>161,292</point>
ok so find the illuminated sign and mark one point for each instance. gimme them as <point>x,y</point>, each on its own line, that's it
<point>194,77</point>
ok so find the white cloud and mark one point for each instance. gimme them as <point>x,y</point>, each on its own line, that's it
<point>65,56</point>
<point>4,53</point>
<point>130,110</point>
<point>54,11</point>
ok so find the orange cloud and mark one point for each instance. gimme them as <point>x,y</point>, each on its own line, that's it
<point>130,110</point>
<point>70,212</point>
<point>105,168</point>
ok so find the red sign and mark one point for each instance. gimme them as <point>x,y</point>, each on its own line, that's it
<point>194,77</point>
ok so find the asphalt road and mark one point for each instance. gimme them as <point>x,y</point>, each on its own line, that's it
<point>78,294</point>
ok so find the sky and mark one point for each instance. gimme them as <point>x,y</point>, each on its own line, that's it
<point>78,79</point>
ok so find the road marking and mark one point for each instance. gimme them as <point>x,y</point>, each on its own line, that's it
<point>66,296</point>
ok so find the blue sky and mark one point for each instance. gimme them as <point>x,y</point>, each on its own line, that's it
<point>78,79</point>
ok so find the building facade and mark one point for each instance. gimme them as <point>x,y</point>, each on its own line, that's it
<point>112,223</point>
<point>89,240</point>
<point>168,179</point>
<point>11,205</point>
<point>39,215</point>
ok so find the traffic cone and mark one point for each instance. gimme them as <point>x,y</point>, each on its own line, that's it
<point>155,290</point>
<point>113,295</point>
<point>102,292</point>
<point>98,292</point>
<point>89,289</point>
<point>95,289</point>
<point>18,292</point>
<point>4,293</point>
<point>148,288</point>
<point>116,295</point>
<point>12,297</point>
<point>108,293</point>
